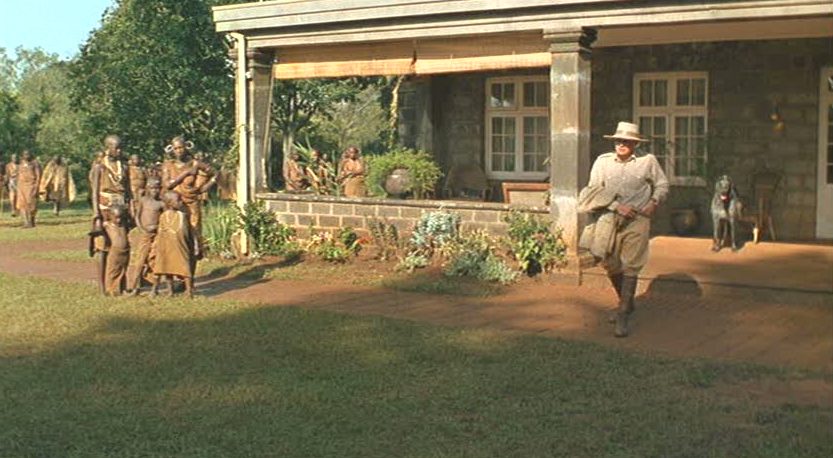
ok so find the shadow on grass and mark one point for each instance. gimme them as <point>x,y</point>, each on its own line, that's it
<point>433,282</point>
<point>206,378</point>
<point>233,276</point>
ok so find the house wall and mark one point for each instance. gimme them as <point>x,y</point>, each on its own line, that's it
<point>746,80</point>
<point>327,212</point>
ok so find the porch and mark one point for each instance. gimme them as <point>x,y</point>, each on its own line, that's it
<point>769,271</point>
<point>552,48</point>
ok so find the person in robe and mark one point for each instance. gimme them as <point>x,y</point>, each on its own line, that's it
<point>109,189</point>
<point>28,183</point>
<point>11,182</point>
<point>351,173</point>
<point>147,212</point>
<point>294,176</point>
<point>320,172</point>
<point>174,247</point>
<point>57,185</point>
<point>138,178</point>
<point>190,178</point>
<point>118,250</point>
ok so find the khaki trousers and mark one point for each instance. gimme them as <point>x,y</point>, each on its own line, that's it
<point>630,248</point>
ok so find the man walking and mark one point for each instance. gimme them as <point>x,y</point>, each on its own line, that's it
<point>640,186</point>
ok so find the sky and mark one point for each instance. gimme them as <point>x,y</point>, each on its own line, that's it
<point>57,26</point>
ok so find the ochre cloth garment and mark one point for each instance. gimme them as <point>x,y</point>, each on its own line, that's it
<point>352,173</point>
<point>141,257</point>
<point>138,179</point>
<point>355,187</point>
<point>57,184</point>
<point>114,183</point>
<point>173,245</point>
<point>117,247</point>
<point>189,190</point>
<point>11,180</point>
<point>28,176</point>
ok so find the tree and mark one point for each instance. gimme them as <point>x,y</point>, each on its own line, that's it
<point>153,70</point>
<point>357,122</point>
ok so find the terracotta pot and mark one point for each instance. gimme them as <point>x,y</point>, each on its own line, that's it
<point>684,221</point>
<point>398,183</point>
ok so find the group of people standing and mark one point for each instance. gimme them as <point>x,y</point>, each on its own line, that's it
<point>163,204</point>
<point>320,176</point>
<point>24,181</point>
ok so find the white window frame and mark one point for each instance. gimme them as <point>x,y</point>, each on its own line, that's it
<point>669,111</point>
<point>518,112</point>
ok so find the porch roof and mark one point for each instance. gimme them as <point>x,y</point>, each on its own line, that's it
<point>285,23</point>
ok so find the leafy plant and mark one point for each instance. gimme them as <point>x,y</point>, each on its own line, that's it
<point>332,247</point>
<point>474,255</point>
<point>433,229</point>
<point>268,235</point>
<point>385,238</point>
<point>322,174</point>
<point>221,223</point>
<point>535,247</point>
<point>424,171</point>
<point>412,261</point>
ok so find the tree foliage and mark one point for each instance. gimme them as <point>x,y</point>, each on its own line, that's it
<point>153,70</point>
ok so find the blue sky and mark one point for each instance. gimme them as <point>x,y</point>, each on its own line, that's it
<point>57,26</point>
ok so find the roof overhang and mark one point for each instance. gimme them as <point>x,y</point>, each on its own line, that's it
<point>311,22</point>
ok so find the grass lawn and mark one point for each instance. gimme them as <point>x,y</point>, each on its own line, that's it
<point>73,223</point>
<point>83,376</point>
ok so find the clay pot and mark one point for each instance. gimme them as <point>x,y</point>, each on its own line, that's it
<point>398,183</point>
<point>684,221</point>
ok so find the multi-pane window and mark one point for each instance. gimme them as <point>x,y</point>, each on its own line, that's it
<point>672,109</point>
<point>517,127</point>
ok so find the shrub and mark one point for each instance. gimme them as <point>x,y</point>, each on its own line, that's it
<point>474,255</point>
<point>385,238</point>
<point>267,235</point>
<point>433,229</point>
<point>221,223</point>
<point>423,169</point>
<point>535,247</point>
<point>332,247</point>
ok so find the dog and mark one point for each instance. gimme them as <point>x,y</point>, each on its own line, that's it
<point>726,211</point>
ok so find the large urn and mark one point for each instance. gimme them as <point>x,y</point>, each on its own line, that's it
<point>398,183</point>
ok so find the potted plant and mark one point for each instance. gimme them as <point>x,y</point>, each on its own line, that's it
<point>401,172</point>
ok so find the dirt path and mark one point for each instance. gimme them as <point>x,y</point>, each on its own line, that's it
<point>737,328</point>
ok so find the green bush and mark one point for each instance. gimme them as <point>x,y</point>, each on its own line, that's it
<point>535,247</point>
<point>385,238</point>
<point>474,255</point>
<point>423,169</point>
<point>332,247</point>
<point>221,223</point>
<point>267,235</point>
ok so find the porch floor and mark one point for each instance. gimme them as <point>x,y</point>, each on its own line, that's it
<point>688,266</point>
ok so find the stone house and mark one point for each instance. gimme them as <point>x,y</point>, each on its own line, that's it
<point>526,89</point>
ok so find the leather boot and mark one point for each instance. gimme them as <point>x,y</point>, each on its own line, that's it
<point>625,306</point>
<point>616,281</point>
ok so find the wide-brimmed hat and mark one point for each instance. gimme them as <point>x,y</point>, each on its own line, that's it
<point>627,131</point>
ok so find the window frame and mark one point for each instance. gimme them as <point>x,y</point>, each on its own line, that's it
<point>670,112</point>
<point>518,112</point>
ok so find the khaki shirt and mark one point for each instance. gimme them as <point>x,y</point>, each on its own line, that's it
<point>635,181</point>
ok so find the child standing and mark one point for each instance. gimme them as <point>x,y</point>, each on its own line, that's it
<point>147,212</point>
<point>175,247</point>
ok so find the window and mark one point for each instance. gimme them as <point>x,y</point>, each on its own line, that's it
<point>671,109</point>
<point>517,127</point>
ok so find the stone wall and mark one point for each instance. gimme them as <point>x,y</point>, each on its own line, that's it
<point>746,80</point>
<point>325,212</point>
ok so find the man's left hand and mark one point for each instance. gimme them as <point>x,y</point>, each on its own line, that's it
<point>649,208</point>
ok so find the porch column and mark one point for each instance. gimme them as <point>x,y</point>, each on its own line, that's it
<point>570,75</point>
<point>260,84</point>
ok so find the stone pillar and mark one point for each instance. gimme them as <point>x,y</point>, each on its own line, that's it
<point>570,76</point>
<point>260,84</point>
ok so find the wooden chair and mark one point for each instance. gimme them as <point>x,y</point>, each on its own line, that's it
<point>760,216</point>
<point>467,182</point>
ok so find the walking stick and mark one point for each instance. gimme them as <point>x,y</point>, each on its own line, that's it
<point>2,198</point>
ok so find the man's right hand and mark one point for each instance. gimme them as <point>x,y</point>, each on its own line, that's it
<point>626,210</point>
